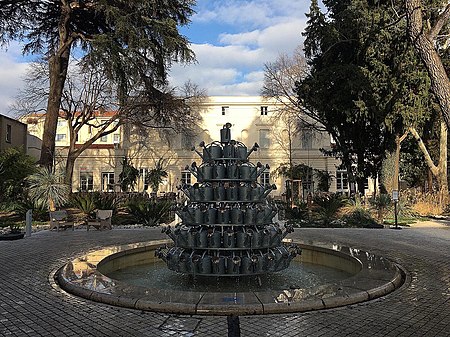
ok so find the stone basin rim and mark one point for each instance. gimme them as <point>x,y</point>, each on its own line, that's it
<point>91,284</point>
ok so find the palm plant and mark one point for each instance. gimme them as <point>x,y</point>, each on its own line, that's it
<point>46,186</point>
<point>149,212</point>
<point>155,176</point>
<point>129,175</point>
<point>86,202</point>
<point>327,206</point>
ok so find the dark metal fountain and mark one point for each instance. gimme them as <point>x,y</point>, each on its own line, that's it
<point>227,226</point>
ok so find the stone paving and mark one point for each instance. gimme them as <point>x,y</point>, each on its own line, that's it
<point>31,305</point>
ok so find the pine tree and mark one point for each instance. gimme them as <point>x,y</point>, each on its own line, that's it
<point>134,41</point>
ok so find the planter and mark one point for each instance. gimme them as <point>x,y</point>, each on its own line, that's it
<point>11,236</point>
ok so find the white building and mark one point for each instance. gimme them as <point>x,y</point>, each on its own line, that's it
<point>253,119</point>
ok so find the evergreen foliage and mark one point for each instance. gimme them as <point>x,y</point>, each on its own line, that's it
<point>365,81</point>
<point>15,166</point>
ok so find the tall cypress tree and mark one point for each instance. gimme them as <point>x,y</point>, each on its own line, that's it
<point>361,83</point>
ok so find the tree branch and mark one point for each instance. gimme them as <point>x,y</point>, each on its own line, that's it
<point>425,152</point>
<point>441,21</point>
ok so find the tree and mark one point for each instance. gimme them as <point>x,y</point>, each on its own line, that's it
<point>348,88</point>
<point>366,83</point>
<point>424,28</point>
<point>133,42</point>
<point>88,95</point>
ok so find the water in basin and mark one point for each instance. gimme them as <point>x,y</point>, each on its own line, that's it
<point>298,275</point>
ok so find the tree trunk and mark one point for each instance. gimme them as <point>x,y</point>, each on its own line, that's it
<point>398,141</point>
<point>442,176</point>
<point>439,171</point>
<point>58,65</point>
<point>70,164</point>
<point>425,47</point>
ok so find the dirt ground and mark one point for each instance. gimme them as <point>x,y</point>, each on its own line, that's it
<point>431,224</point>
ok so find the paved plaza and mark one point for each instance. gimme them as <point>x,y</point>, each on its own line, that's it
<point>31,304</point>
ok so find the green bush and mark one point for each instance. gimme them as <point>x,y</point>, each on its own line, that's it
<point>39,209</point>
<point>85,202</point>
<point>107,201</point>
<point>15,166</point>
<point>327,207</point>
<point>88,202</point>
<point>149,212</point>
<point>360,218</point>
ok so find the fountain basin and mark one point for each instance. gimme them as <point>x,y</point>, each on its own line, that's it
<point>371,276</point>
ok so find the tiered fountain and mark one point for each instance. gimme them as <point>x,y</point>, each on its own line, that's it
<point>227,226</point>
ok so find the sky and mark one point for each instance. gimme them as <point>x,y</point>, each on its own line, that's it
<point>232,40</point>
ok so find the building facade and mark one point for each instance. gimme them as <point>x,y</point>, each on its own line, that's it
<point>13,133</point>
<point>253,119</point>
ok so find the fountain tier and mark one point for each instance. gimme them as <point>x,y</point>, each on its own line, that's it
<point>227,226</point>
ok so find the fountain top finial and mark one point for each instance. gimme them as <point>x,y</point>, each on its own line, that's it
<point>225,133</point>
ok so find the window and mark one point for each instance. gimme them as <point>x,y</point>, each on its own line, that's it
<point>143,177</point>
<point>265,178</point>
<point>264,140</point>
<point>86,181</point>
<point>307,140</point>
<point>8,133</point>
<point>60,137</point>
<point>61,123</point>
<point>341,181</point>
<point>108,181</point>
<point>116,138</point>
<point>104,138</point>
<point>225,110</point>
<point>186,178</point>
<point>308,183</point>
<point>263,111</point>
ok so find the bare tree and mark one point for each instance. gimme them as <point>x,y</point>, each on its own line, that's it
<point>280,79</point>
<point>88,95</point>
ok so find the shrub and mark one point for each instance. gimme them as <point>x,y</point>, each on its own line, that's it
<point>381,203</point>
<point>107,201</point>
<point>15,166</point>
<point>359,217</point>
<point>85,202</point>
<point>327,206</point>
<point>39,209</point>
<point>48,188</point>
<point>149,212</point>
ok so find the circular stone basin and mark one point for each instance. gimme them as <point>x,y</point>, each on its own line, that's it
<point>349,276</point>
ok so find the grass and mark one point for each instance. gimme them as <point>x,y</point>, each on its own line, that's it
<point>403,221</point>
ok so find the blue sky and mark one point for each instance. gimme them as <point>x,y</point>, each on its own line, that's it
<point>232,39</point>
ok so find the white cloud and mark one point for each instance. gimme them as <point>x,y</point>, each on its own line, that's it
<point>252,14</point>
<point>11,78</point>
<point>235,67</point>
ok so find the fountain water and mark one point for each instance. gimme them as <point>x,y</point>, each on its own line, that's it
<point>227,227</point>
